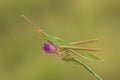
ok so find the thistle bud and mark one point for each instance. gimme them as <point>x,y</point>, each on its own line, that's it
<point>49,47</point>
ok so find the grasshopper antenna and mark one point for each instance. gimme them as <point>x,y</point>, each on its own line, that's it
<point>33,25</point>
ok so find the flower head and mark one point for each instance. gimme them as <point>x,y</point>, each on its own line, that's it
<point>49,47</point>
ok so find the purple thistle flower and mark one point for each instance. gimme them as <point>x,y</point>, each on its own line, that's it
<point>49,47</point>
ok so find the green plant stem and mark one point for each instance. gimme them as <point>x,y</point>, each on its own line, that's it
<point>88,68</point>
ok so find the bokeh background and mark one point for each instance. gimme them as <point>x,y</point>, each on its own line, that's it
<point>21,57</point>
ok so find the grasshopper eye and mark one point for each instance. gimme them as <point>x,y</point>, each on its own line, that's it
<point>64,55</point>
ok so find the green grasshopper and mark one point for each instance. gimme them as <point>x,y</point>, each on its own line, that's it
<point>67,51</point>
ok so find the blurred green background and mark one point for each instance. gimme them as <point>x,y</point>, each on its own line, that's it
<point>21,57</point>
